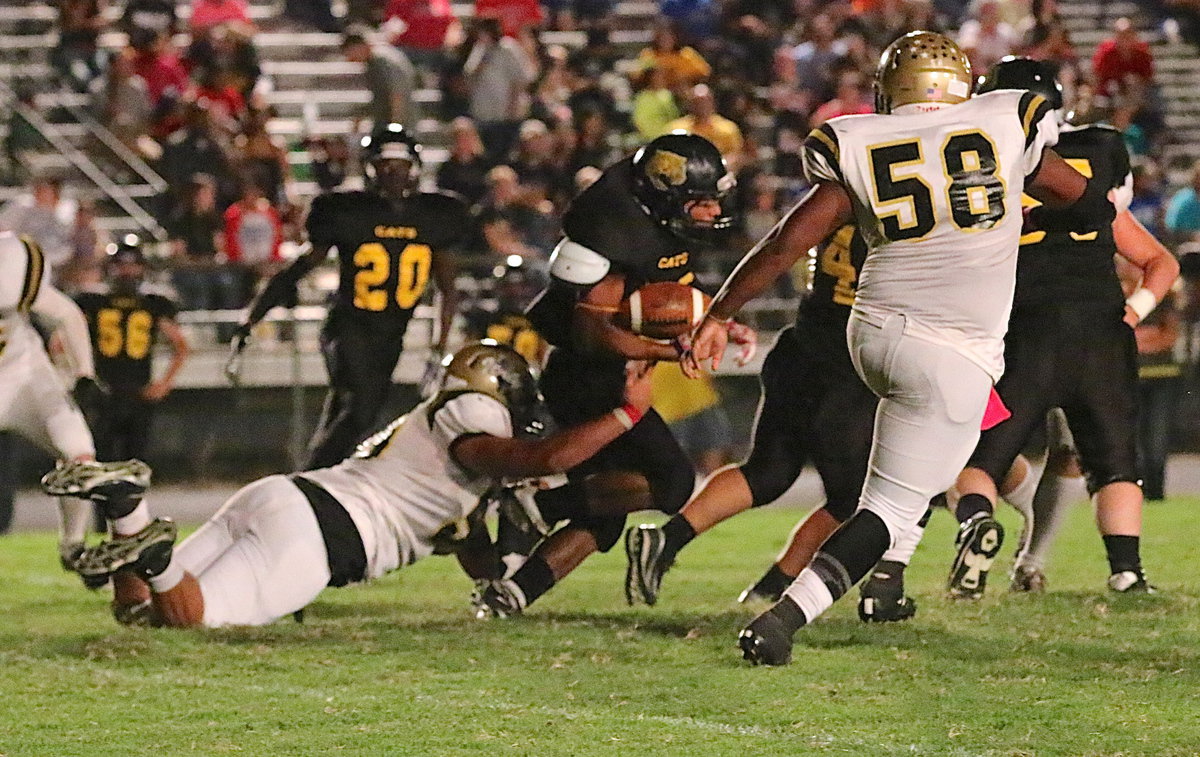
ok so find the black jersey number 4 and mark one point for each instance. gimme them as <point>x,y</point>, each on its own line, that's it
<point>374,271</point>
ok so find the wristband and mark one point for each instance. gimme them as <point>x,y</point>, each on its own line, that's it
<point>1142,302</point>
<point>628,416</point>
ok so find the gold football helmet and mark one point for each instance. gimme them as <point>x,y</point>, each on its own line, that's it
<point>502,374</point>
<point>921,67</point>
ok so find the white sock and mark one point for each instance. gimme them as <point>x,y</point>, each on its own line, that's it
<point>1021,498</point>
<point>902,550</point>
<point>1054,497</point>
<point>128,525</point>
<point>169,578</point>
<point>75,517</point>
<point>810,593</point>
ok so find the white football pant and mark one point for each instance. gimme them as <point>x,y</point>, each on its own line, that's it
<point>932,400</point>
<point>259,558</point>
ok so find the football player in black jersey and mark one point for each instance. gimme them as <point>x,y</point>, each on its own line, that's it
<point>643,221</point>
<point>390,239</point>
<point>507,324</point>
<point>125,320</point>
<point>814,407</point>
<point>1070,344</point>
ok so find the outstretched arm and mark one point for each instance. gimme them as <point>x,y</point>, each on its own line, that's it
<point>1056,184</point>
<point>281,285</point>
<point>444,272</point>
<point>815,217</point>
<point>524,458</point>
<point>1158,265</point>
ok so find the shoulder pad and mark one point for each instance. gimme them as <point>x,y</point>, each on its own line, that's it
<point>575,264</point>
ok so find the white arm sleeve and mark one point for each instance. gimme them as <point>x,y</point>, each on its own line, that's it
<point>575,264</point>
<point>1042,134</point>
<point>66,316</point>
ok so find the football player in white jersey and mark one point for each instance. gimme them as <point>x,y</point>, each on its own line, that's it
<point>933,181</point>
<point>412,490</point>
<point>33,401</point>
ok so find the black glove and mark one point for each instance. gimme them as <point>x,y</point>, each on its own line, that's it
<point>240,337</point>
<point>233,365</point>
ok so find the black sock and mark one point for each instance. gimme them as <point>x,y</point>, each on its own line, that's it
<point>789,613</point>
<point>534,578</point>
<point>774,582</point>
<point>970,504</point>
<point>1123,553</point>
<point>119,507</point>
<point>851,552</point>
<point>677,532</point>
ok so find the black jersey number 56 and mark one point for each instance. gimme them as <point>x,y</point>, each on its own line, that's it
<point>374,269</point>
<point>974,192</point>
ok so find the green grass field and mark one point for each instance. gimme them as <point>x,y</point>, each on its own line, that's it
<point>400,667</point>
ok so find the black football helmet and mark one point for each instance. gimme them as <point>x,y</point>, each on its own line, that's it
<point>128,250</point>
<point>391,160</point>
<point>1012,72</point>
<point>676,169</point>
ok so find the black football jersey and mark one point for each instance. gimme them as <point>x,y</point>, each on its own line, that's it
<point>385,249</point>
<point>607,219</point>
<point>1066,254</point>
<point>124,330</point>
<point>836,269</point>
<point>509,328</point>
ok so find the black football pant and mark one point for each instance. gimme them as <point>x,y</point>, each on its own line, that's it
<point>123,425</point>
<point>360,364</point>
<point>579,388</point>
<point>814,407</point>
<point>1083,360</point>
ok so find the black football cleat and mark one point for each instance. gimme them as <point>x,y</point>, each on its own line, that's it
<point>979,540</point>
<point>100,482</point>
<point>147,553</point>
<point>1026,579</point>
<point>645,565</point>
<point>766,640</point>
<point>1130,582</point>
<point>882,600</point>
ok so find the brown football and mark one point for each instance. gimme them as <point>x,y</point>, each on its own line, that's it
<point>663,310</point>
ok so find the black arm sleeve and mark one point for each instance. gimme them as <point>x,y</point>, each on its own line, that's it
<point>279,288</point>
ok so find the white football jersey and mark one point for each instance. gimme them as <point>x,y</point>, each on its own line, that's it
<point>23,274</point>
<point>937,196</point>
<point>411,488</point>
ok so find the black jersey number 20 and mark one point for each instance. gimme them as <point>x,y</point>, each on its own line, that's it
<point>374,269</point>
<point>974,192</point>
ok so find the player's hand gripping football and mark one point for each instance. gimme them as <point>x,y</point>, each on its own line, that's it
<point>708,344</point>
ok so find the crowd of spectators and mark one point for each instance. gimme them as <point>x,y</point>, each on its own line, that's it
<point>526,124</point>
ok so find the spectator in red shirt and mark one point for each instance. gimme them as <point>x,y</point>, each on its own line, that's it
<point>253,230</point>
<point>419,28</point>
<point>159,65</point>
<point>1123,63</point>
<point>514,15</point>
<point>851,98</point>
<point>208,13</point>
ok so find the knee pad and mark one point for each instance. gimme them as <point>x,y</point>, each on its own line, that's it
<point>841,508</point>
<point>672,488</point>
<point>607,531</point>
<point>767,480</point>
<point>1099,480</point>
